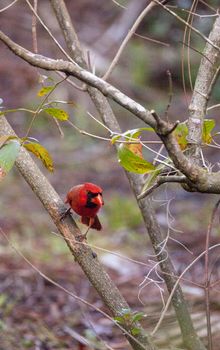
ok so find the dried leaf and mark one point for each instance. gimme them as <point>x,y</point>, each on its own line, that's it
<point>135,148</point>
<point>135,331</point>
<point>132,162</point>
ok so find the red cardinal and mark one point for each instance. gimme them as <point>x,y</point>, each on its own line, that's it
<point>86,200</point>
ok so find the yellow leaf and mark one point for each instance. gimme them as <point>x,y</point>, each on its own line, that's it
<point>57,113</point>
<point>45,90</point>
<point>40,152</point>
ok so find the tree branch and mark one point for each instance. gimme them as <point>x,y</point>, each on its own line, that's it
<point>75,70</point>
<point>201,180</point>
<point>206,77</point>
<point>162,180</point>
<point>82,253</point>
<point>190,338</point>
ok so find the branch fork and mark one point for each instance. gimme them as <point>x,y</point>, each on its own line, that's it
<point>163,128</point>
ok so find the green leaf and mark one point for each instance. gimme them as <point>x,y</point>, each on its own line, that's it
<point>8,155</point>
<point>136,132</point>
<point>135,331</point>
<point>181,133</point>
<point>131,162</point>
<point>137,317</point>
<point>152,177</point>
<point>45,90</point>
<point>119,319</point>
<point>57,113</point>
<point>115,138</point>
<point>133,133</point>
<point>40,152</point>
<point>208,126</point>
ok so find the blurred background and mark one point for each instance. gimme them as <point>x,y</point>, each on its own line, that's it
<point>33,313</point>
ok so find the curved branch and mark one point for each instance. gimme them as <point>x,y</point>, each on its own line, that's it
<point>202,181</point>
<point>75,70</point>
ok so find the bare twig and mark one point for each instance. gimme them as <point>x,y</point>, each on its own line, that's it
<point>160,181</point>
<point>8,6</point>
<point>170,95</point>
<point>147,38</point>
<point>34,27</point>
<point>147,9</point>
<point>177,283</point>
<point>119,5</point>
<point>198,32</point>
<point>48,31</point>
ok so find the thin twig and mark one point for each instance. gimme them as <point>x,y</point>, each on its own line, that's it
<point>119,5</point>
<point>160,181</point>
<point>34,28</point>
<point>197,51</point>
<point>170,95</point>
<point>176,285</point>
<point>49,32</point>
<point>8,6</point>
<point>80,88</point>
<point>127,38</point>
<point>198,32</point>
<point>152,40</point>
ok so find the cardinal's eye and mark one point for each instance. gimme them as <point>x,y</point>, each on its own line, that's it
<point>92,194</point>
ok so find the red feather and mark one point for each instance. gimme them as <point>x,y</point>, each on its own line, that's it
<point>86,200</point>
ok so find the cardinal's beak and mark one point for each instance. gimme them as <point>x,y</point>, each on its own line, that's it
<point>99,200</point>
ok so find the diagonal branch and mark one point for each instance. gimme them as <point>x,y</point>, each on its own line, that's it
<point>190,338</point>
<point>206,77</point>
<point>82,253</point>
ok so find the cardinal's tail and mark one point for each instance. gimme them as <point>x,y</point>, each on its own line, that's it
<point>92,222</point>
